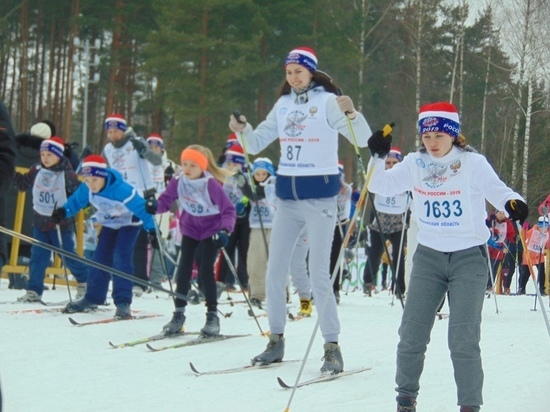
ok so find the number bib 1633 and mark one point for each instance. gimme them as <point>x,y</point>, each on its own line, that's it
<point>441,202</point>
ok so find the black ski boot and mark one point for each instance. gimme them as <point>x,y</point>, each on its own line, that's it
<point>406,404</point>
<point>274,352</point>
<point>82,305</point>
<point>175,326</point>
<point>333,361</point>
<point>123,311</point>
<point>212,325</point>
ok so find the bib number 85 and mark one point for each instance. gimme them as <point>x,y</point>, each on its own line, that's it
<point>443,209</point>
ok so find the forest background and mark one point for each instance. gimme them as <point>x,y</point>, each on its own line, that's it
<point>181,67</point>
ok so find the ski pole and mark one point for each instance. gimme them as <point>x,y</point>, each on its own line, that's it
<point>60,240</point>
<point>237,116</point>
<point>225,315</point>
<point>232,268</point>
<point>88,262</point>
<point>491,277</point>
<point>401,241</point>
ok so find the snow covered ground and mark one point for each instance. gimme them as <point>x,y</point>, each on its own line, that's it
<point>47,364</point>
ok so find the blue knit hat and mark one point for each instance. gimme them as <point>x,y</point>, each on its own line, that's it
<point>263,163</point>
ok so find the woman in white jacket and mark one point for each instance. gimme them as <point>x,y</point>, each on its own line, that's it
<point>450,183</point>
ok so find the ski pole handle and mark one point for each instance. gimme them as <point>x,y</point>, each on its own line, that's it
<point>387,129</point>
<point>237,116</point>
<point>339,93</point>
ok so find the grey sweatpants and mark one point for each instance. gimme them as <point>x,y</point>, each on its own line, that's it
<point>464,275</point>
<point>298,266</point>
<point>318,216</point>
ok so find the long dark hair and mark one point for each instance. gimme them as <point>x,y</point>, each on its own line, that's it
<point>319,77</point>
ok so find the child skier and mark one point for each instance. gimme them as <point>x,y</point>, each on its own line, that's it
<point>119,210</point>
<point>131,156</point>
<point>261,220</point>
<point>52,182</point>
<point>239,241</point>
<point>450,183</point>
<point>208,216</point>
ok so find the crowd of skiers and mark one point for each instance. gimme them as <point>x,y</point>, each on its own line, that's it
<point>241,223</point>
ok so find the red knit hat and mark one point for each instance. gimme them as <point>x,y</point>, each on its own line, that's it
<point>303,56</point>
<point>395,152</point>
<point>116,121</point>
<point>94,165</point>
<point>155,138</point>
<point>235,154</point>
<point>54,144</point>
<point>439,117</point>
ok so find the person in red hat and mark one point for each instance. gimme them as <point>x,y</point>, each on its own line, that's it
<point>388,225</point>
<point>450,183</point>
<point>159,173</point>
<point>307,118</point>
<point>239,241</point>
<point>131,155</point>
<point>121,213</point>
<point>51,181</point>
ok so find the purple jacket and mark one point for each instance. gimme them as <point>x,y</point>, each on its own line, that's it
<point>203,227</point>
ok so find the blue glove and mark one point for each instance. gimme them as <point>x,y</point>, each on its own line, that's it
<point>492,243</point>
<point>221,238</point>
<point>240,207</point>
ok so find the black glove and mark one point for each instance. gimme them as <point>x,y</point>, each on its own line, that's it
<point>378,144</point>
<point>18,180</point>
<point>58,215</point>
<point>517,209</point>
<point>221,238</point>
<point>138,145</point>
<point>87,151</point>
<point>151,205</point>
<point>168,174</point>
<point>153,240</point>
<point>240,178</point>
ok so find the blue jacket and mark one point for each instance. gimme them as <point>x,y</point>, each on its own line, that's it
<point>116,189</point>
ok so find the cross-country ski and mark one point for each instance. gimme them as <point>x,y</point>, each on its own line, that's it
<point>110,320</point>
<point>244,368</point>
<point>322,378</point>
<point>153,338</point>
<point>197,341</point>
